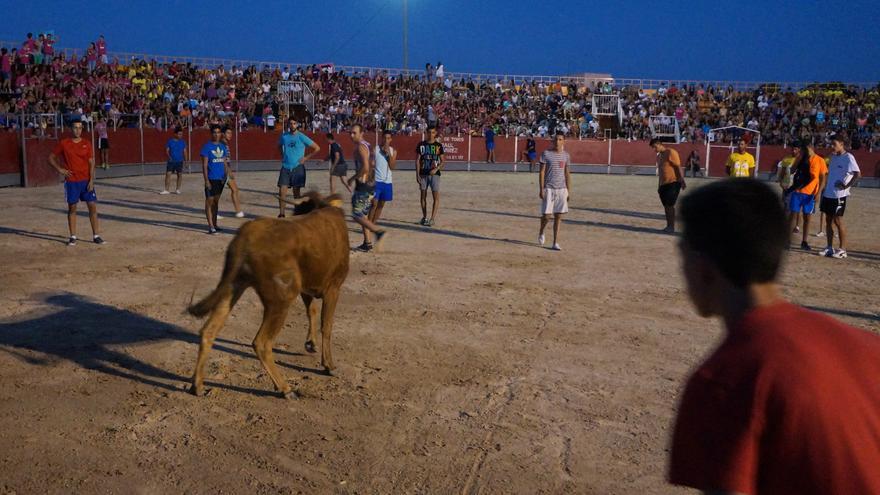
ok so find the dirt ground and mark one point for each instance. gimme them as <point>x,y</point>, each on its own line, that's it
<point>470,360</point>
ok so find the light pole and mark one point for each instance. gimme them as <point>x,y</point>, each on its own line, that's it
<point>405,40</point>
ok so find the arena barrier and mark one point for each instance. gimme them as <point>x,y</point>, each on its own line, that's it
<point>135,151</point>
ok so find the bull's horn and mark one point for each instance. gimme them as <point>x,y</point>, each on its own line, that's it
<point>336,203</point>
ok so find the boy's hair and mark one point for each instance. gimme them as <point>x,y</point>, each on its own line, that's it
<point>329,136</point>
<point>740,226</point>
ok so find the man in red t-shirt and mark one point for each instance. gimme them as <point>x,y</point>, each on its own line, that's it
<point>79,179</point>
<point>789,403</point>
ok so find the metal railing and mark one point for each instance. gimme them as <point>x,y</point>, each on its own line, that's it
<point>583,79</point>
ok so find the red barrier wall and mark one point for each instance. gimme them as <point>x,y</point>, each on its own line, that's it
<point>259,145</point>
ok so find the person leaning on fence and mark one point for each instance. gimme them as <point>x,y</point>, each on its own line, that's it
<point>175,152</point>
<point>789,402</point>
<point>79,180</point>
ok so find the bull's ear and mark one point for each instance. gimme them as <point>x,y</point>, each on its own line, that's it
<point>336,203</point>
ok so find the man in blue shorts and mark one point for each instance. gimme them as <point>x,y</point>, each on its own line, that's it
<point>531,153</point>
<point>175,152</point>
<point>385,158</point>
<point>214,157</point>
<point>364,181</point>
<point>490,144</point>
<point>79,180</point>
<point>293,146</point>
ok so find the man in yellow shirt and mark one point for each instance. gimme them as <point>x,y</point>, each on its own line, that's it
<point>740,163</point>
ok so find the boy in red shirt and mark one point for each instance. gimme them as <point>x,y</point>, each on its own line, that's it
<point>79,179</point>
<point>789,403</point>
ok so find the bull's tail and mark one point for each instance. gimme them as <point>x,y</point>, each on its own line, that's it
<point>234,260</point>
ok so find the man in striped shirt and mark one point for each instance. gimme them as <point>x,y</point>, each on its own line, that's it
<point>554,181</point>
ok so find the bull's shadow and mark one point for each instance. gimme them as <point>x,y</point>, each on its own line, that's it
<point>95,336</point>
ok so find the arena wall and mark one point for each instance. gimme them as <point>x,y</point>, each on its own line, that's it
<point>260,146</point>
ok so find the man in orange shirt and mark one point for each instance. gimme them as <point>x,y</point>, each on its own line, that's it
<point>79,179</point>
<point>808,183</point>
<point>789,402</point>
<point>671,180</point>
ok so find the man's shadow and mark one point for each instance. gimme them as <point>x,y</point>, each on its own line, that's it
<point>94,336</point>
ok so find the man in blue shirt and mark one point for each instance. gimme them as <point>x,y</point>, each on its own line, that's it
<point>214,155</point>
<point>293,146</point>
<point>174,151</point>
<point>490,145</point>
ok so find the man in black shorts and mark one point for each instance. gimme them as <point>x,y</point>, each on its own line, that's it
<point>214,155</point>
<point>671,180</point>
<point>843,172</point>
<point>338,167</point>
<point>429,164</point>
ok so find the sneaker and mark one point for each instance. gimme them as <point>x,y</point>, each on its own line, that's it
<point>820,234</point>
<point>97,240</point>
<point>164,192</point>
<point>423,221</point>
<point>797,229</point>
<point>541,239</point>
<point>805,246</point>
<point>430,223</point>
<point>380,236</point>
<point>366,248</point>
<point>240,214</point>
<point>556,247</point>
<point>839,254</point>
<point>177,191</point>
<point>71,241</point>
<point>219,217</point>
<point>828,252</point>
<point>212,231</point>
<point>281,215</point>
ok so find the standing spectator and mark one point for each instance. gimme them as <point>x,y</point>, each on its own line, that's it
<point>215,157</point>
<point>92,57</point>
<point>440,71</point>
<point>364,180</point>
<point>808,183</point>
<point>175,151</point>
<point>338,167</point>
<point>429,164</point>
<point>785,178</point>
<point>230,176</point>
<point>385,158</point>
<point>49,48</point>
<point>103,142</point>
<point>740,163</point>
<point>490,144</point>
<point>293,146</point>
<point>693,164</point>
<point>79,180</point>
<point>842,174</point>
<point>789,402</point>
<point>554,184</point>
<point>37,51</point>
<point>530,152</point>
<point>6,69</point>
<point>671,180</point>
<point>429,71</point>
<point>28,47</point>
<point>101,47</point>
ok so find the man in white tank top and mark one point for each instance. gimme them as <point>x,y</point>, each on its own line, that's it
<point>364,184</point>
<point>385,158</point>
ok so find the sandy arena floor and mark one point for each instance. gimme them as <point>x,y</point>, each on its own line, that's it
<point>470,360</point>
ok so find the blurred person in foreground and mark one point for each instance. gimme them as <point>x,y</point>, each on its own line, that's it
<point>789,402</point>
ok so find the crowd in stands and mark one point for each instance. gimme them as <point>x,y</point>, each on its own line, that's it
<point>37,80</point>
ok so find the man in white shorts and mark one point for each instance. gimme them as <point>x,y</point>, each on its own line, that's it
<point>554,181</point>
<point>842,174</point>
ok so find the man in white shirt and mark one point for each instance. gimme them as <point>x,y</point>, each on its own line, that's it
<point>843,172</point>
<point>385,158</point>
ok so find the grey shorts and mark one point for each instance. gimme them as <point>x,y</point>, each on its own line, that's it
<point>339,170</point>
<point>292,178</point>
<point>432,181</point>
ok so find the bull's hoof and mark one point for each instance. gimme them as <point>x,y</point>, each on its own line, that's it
<point>197,391</point>
<point>329,372</point>
<point>310,347</point>
<point>289,395</point>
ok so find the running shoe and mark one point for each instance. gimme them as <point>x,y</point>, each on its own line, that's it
<point>164,192</point>
<point>541,239</point>
<point>98,240</point>
<point>839,254</point>
<point>71,241</point>
<point>557,247</point>
<point>380,236</point>
<point>828,252</point>
<point>239,214</point>
<point>805,246</point>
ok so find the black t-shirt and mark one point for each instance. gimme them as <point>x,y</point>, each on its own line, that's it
<point>530,145</point>
<point>335,148</point>
<point>430,154</point>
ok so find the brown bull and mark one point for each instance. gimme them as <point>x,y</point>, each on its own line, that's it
<point>306,255</point>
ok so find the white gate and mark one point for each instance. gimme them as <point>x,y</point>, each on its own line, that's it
<point>664,126</point>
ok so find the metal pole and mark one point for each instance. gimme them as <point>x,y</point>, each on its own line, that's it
<point>405,38</point>
<point>708,150</point>
<point>469,151</point>
<point>141,125</point>
<point>189,126</point>
<point>24,163</point>
<point>515,152</point>
<point>236,144</point>
<point>609,158</point>
<point>758,156</point>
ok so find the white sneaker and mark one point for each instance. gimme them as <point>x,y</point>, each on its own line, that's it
<point>541,239</point>
<point>239,214</point>
<point>820,234</point>
<point>219,217</point>
<point>164,192</point>
<point>796,229</point>
<point>828,252</point>
<point>839,254</point>
<point>556,247</point>
<point>177,191</point>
